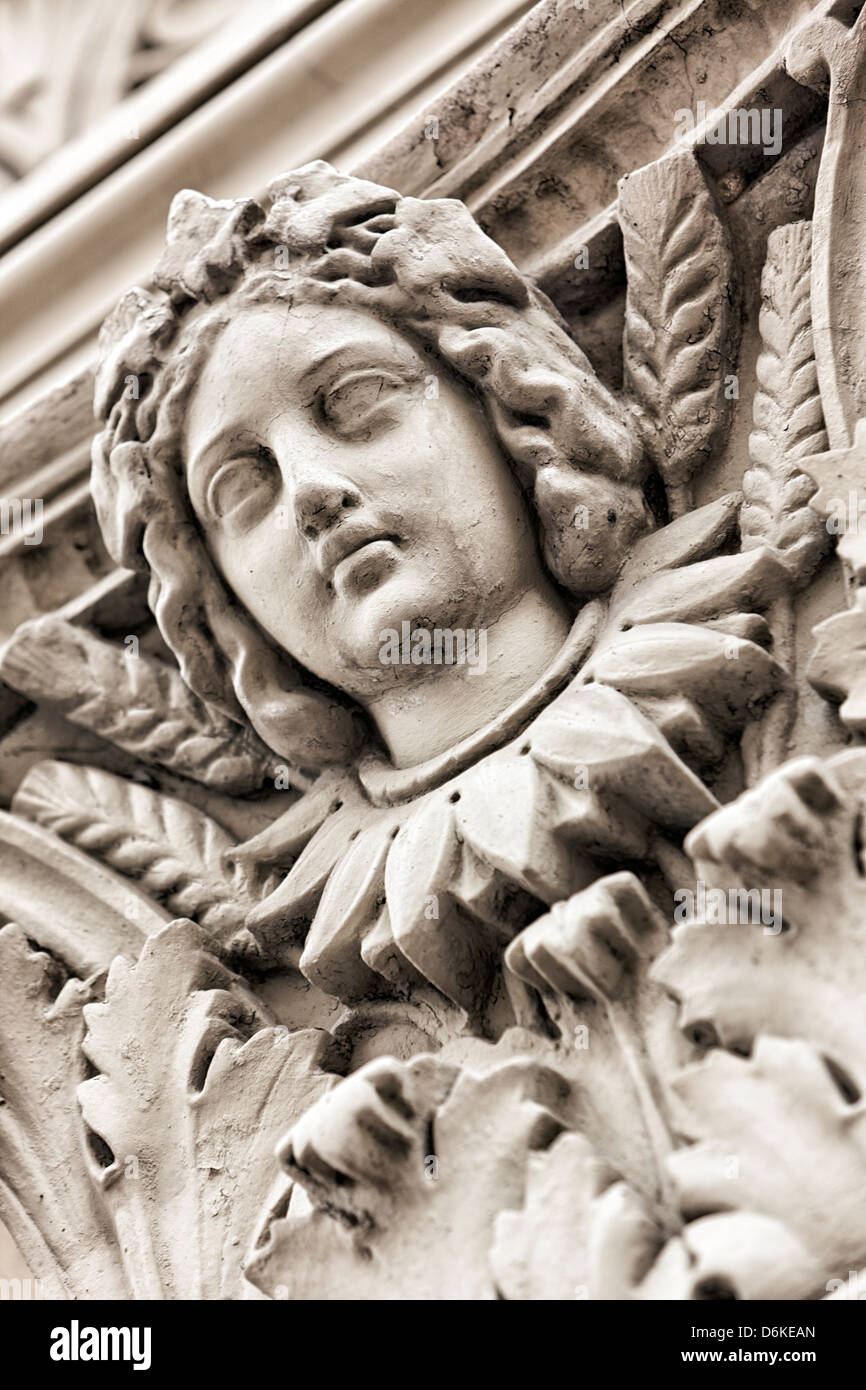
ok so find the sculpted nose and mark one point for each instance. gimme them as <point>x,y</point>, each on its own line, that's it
<point>319,504</point>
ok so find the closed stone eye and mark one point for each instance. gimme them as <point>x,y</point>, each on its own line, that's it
<point>241,488</point>
<point>362,400</point>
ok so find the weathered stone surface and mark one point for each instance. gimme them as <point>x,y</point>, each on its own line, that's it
<point>472,730</point>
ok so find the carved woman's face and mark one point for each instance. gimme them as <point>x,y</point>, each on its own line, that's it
<point>344,488</point>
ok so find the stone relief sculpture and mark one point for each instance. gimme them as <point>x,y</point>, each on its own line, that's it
<point>469,1017</point>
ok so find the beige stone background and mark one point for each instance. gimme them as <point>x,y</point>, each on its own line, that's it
<point>12,1266</point>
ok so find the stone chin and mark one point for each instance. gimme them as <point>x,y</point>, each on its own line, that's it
<point>419,589</point>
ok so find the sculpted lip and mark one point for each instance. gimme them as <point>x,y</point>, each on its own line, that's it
<point>346,541</point>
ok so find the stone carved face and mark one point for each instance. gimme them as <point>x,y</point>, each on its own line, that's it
<point>344,487</point>
<point>296,488</point>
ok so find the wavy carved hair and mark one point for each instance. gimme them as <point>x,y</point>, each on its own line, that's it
<point>425,266</point>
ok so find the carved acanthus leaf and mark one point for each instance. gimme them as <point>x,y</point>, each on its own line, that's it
<point>173,850</point>
<point>134,701</point>
<point>47,1197</point>
<point>781,1137</point>
<point>584,1234</point>
<point>406,1166</point>
<point>792,839</point>
<point>193,1092</point>
<point>681,328</point>
<point>778,1136</point>
<point>557,1246</point>
<point>589,960</point>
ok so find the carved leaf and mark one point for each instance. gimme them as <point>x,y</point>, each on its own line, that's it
<point>680,327</point>
<point>698,685</point>
<point>589,960</point>
<point>837,666</point>
<point>792,841</point>
<point>789,421</point>
<point>193,1092</point>
<point>677,575</point>
<point>777,1136</point>
<point>74,907</point>
<point>549,1248</point>
<point>134,701</point>
<point>581,1234</point>
<point>458,871</point>
<point>175,851</point>
<point>406,1166</point>
<point>684,632</point>
<point>47,1197</point>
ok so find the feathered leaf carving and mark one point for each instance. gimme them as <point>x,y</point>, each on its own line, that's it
<point>134,701</point>
<point>47,1196</point>
<point>74,907</point>
<point>681,328</point>
<point>173,850</point>
<point>789,421</point>
<point>194,1089</point>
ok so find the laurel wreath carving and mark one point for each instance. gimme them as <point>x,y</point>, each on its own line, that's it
<point>134,701</point>
<point>173,850</point>
<point>681,320</point>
